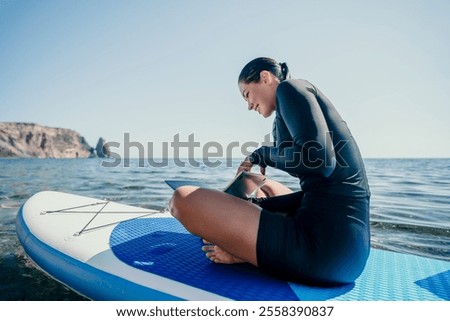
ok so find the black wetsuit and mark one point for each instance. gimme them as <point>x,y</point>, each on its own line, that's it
<point>324,236</point>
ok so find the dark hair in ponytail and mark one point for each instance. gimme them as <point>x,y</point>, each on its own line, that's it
<point>251,71</point>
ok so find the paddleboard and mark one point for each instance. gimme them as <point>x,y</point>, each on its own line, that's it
<point>110,251</point>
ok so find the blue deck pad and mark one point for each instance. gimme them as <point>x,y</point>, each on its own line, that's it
<point>163,246</point>
<point>390,276</point>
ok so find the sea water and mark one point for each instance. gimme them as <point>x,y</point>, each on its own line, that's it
<point>410,204</point>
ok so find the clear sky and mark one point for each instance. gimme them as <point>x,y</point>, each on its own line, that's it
<point>155,69</point>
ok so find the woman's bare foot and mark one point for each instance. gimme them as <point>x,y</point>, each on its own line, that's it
<point>217,255</point>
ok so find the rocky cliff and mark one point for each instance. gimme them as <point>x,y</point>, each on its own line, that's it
<point>33,140</point>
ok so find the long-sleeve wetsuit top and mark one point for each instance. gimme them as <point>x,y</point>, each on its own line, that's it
<point>313,143</point>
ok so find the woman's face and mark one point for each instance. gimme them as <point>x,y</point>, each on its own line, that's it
<point>261,95</point>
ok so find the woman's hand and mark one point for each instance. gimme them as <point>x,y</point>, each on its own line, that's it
<point>262,170</point>
<point>246,166</point>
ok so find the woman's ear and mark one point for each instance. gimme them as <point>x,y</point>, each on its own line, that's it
<point>265,77</point>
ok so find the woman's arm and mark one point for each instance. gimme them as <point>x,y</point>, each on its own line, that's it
<point>311,150</point>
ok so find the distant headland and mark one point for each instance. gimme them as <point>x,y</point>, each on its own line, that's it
<point>33,140</point>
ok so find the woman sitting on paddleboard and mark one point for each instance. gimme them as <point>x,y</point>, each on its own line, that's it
<point>318,235</point>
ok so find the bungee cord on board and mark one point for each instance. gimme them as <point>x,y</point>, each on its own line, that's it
<point>73,210</point>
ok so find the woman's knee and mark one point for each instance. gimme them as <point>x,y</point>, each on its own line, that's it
<point>178,204</point>
<point>273,188</point>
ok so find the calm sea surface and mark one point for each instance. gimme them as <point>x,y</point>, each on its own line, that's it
<point>410,205</point>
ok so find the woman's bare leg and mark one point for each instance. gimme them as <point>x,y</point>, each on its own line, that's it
<point>229,224</point>
<point>225,220</point>
<point>273,188</point>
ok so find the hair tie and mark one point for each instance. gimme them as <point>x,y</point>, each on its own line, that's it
<point>284,70</point>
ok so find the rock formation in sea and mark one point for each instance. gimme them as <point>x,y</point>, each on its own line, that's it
<point>33,140</point>
<point>102,148</point>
